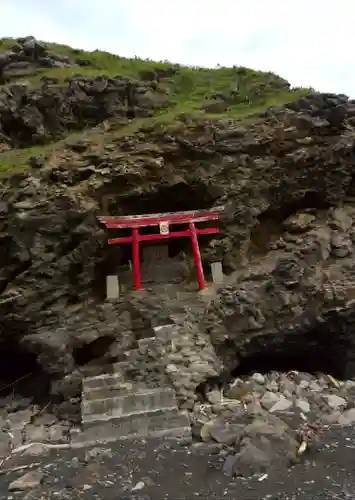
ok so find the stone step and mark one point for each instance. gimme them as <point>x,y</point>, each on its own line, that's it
<point>118,390</point>
<point>170,423</point>
<point>102,381</point>
<point>109,391</point>
<point>128,404</point>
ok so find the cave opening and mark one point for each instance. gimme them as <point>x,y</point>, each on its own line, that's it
<point>319,351</point>
<point>21,375</point>
<point>177,197</point>
<point>269,226</point>
<point>163,261</point>
<point>93,352</point>
<point>325,349</point>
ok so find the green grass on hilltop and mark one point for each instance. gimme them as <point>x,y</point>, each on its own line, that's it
<point>236,93</point>
<point>190,88</point>
<point>98,63</point>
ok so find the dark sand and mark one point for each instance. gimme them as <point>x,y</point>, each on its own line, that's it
<point>162,471</point>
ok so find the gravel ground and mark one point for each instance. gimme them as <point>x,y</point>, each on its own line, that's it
<point>143,470</point>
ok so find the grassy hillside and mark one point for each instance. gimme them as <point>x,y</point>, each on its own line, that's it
<point>235,93</point>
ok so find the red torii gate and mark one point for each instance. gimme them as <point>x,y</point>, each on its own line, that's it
<point>164,221</point>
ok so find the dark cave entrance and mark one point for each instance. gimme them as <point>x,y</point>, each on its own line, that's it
<point>179,197</point>
<point>164,198</point>
<point>21,376</point>
<point>269,226</point>
<point>327,348</point>
<point>309,360</point>
<point>95,352</point>
<point>160,261</point>
<point>322,350</point>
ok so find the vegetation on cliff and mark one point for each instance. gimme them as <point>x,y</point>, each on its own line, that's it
<point>47,73</point>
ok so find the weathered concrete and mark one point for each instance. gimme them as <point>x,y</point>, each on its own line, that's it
<point>113,408</point>
<point>112,287</point>
<point>217,273</point>
<point>127,404</point>
<point>102,381</point>
<point>161,423</point>
<point>109,392</point>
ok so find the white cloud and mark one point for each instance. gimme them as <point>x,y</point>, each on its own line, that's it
<point>306,42</point>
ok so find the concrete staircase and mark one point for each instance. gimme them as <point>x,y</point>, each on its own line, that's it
<point>114,409</point>
<point>138,399</point>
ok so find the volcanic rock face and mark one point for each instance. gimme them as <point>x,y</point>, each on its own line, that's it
<point>26,56</point>
<point>286,241</point>
<point>35,115</point>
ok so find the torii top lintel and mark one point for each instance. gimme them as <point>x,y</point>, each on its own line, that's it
<point>136,221</point>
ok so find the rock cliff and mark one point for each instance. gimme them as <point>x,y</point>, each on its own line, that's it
<point>280,160</point>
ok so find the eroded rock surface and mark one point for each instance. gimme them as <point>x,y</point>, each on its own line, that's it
<point>37,114</point>
<point>286,241</point>
<point>28,55</point>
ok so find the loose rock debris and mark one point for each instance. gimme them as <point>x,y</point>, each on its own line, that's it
<point>27,481</point>
<point>278,420</point>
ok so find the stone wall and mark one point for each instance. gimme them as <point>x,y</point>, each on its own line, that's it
<point>190,360</point>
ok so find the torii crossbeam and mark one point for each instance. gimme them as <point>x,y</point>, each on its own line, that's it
<point>165,222</point>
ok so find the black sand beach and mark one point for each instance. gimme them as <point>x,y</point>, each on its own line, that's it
<point>144,470</point>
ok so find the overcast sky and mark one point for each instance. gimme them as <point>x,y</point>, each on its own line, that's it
<point>308,42</point>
